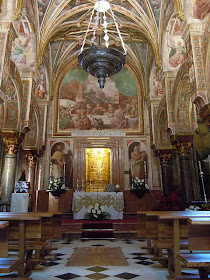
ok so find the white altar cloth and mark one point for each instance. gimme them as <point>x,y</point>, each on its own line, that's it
<point>112,202</point>
<point>19,202</point>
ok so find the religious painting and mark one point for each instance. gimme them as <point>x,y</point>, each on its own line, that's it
<point>156,85</point>
<point>24,47</point>
<point>84,106</point>
<point>61,162</point>
<point>176,45</point>
<point>41,84</point>
<point>137,160</point>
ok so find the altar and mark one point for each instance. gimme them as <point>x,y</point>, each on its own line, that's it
<point>112,202</point>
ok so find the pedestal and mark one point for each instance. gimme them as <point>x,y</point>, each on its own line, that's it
<point>61,204</point>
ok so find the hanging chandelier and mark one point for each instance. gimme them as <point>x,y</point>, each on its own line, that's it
<point>101,62</point>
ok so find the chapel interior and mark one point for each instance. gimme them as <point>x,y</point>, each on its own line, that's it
<point>138,141</point>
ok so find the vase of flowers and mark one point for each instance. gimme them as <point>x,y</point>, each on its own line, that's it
<point>139,187</point>
<point>56,186</point>
<point>96,213</point>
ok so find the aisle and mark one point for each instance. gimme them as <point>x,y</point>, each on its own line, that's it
<point>140,266</point>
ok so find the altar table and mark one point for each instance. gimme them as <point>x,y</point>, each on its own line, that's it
<point>112,202</point>
<point>19,202</point>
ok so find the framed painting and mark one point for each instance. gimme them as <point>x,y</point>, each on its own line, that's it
<point>82,105</point>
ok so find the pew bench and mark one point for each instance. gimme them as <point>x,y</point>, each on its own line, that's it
<point>8,264</point>
<point>198,241</point>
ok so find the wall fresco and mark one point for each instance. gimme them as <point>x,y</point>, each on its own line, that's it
<point>83,105</point>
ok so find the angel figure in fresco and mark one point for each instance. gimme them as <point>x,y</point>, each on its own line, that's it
<point>137,159</point>
<point>177,54</point>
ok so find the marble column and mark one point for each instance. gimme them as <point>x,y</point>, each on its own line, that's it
<point>183,144</point>
<point>9,169</point>
<point>165,162</point>
<point>12,140</point>
<point>31,161</point>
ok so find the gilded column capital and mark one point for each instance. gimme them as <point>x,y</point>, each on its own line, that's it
<point>31,160</point>
<point>11,142</point>
<point>165,159</point>
<point>13,139</point>
<point>183,148</point>
<point>182,142</point>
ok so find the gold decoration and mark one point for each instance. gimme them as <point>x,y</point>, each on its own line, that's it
<point>98,168</point>
<point>183,148</point>
<point>18,9</point>
<point>116,201</point>
<point>165,159</point>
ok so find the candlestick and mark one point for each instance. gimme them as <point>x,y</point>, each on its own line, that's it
<point>50,169</point>
<point>199,164</point>
<point>145,168</point>
<point>77,186</point>
<point>83,187</point>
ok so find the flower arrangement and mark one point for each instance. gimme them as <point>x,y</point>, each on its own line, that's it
<point>96,212</point>
<point>117,188</point>
<point>56,184</point>
<point>139,187</point>
<point>193,208</point>
<point>138,184</point>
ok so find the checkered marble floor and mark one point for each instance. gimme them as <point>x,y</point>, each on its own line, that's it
<point>140,266</point>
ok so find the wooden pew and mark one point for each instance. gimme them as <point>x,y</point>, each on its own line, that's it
<point>198,240</point>
<point>50,229</point>
<point>22,227</point>
<point>8,264</point>
<point>174,264</point>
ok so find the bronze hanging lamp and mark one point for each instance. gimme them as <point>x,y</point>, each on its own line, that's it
<point>102,62</point>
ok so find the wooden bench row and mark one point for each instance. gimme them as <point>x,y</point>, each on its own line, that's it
<point>26,233</point>
<point>175,231</point>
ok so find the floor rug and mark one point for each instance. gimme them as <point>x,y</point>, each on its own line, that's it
<point>97,256</point>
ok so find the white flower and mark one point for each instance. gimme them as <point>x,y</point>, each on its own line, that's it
<point>96,206</point>
<point>94,215</point>
<point>93,211</point>
<point>98,211</point>
<point>102,208</point>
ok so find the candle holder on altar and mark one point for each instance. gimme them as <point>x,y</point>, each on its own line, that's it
<point>77,186</point>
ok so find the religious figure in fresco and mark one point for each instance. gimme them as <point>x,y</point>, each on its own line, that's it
<point>177,54</point>
<point>118,120</point>
<point>40,90</point>
<point>58,160</point>
<point>137,159</point>
<point>201,8</point>
<point>157,87</point>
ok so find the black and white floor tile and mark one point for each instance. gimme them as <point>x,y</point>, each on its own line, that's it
<point>140,266</point>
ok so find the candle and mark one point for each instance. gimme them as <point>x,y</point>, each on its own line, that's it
<point>50,169</point>
<point>64,169</point>
<point>199,164</point>
<point>145,168</point>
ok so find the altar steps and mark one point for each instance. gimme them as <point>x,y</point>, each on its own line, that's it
<point>122,229</point>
